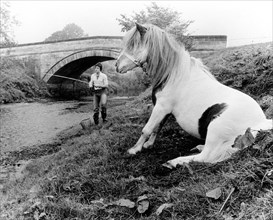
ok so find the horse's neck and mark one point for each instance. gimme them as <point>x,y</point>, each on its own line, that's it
<point>187,70</point>
<point>199,70</point>
<point>181,73</point>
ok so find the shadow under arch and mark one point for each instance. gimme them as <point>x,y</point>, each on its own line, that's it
<point>75,64</point>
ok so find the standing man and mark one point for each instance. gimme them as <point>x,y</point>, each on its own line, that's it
<point>99,84</point>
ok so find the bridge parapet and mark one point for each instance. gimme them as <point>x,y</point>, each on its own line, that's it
<point>61,46</point>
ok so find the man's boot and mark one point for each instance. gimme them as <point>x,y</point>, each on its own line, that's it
<point>103,114</point>
<point>96,118</point>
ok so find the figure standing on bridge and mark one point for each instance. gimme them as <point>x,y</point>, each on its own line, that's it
<point>99,84</point>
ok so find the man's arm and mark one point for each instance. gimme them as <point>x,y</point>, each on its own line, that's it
<point>91,83</point>
<point>105,81</point>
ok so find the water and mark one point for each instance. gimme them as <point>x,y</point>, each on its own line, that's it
<point>27,124</point>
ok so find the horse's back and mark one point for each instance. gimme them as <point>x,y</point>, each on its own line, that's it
<point>205,99</point>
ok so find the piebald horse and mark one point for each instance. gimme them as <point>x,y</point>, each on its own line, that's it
<point>183,86</point>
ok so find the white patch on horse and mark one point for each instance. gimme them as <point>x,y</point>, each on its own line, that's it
<point>184,87</point>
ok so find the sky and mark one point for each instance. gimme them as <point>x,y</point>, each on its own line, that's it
<point>244,22</point>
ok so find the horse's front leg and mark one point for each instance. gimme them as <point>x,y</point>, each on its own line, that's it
<point>152,138</point>
<point>151,128</point>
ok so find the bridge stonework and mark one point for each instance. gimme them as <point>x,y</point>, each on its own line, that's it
<point>72,57</point>
<point>78,62</point>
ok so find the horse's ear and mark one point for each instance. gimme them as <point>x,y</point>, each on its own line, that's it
<point>142,30</point>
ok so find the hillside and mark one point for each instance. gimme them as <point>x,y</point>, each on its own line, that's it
<point>87,174</point>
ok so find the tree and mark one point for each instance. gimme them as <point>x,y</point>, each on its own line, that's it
<point>6,24</point>
<point>164,18</point>
<point>70,31</point>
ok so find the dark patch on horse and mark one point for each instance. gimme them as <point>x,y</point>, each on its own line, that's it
<point>209,115</point>
<point>156,89</point>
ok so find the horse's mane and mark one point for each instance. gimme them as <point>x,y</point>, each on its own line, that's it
<point>167,59</point>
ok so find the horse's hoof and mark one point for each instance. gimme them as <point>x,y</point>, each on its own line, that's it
<point>198,148</point>
<point>168,165</point>
<point>132,151</point>
<point>147,145</point>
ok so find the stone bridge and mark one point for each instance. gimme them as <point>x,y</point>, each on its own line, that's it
<point>70,58</point>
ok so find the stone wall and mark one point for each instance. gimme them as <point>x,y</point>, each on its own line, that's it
<point>209,42</point>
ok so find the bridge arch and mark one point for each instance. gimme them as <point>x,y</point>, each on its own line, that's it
<point>75,64</point>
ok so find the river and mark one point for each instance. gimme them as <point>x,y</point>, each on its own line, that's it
<point>27,124</point>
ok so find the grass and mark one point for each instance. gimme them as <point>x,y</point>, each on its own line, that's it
<point>248,68</point>
<point>84,172</point>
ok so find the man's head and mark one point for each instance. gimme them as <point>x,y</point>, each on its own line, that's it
<point>98,66</point>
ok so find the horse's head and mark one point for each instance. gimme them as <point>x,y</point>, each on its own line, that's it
<point>134,53</point>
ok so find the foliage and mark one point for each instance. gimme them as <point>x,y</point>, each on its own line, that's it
<point>165,18</point>
<point>19,82</point>
<point>6,24</point>
<point>70,31</point>
<point>248,68</point>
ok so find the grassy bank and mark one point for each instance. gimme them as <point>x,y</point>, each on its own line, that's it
<point>248,68</point>
<point>85,174</point>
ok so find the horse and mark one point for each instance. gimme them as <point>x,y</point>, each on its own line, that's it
<point>184,87</point>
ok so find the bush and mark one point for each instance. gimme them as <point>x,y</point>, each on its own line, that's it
<point>19,81</point>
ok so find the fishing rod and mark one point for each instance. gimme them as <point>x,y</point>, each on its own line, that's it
<point>65,77</point>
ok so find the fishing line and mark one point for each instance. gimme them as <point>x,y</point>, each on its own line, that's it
<point>65,77</point>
